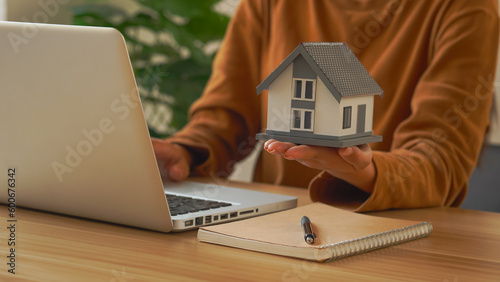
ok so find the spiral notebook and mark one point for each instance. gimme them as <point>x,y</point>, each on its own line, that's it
<point>340,233</point>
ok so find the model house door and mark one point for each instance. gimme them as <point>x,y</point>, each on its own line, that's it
<point>361,119</point>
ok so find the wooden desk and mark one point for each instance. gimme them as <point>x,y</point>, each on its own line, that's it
<point>465,246</point>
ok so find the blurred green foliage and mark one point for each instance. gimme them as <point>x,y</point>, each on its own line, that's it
<point>168,42</point>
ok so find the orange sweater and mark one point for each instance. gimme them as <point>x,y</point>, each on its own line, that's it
<point>435,61</point>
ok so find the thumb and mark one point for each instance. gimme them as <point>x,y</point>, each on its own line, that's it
<point>358,157</point>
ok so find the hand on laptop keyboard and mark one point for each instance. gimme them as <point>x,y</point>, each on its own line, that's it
<point>173,160</point>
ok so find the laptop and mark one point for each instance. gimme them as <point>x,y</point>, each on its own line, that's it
<point>73,138</point>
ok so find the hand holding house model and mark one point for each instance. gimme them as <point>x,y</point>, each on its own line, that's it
<point>325,94</point>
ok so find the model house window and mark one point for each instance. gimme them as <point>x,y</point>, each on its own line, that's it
<point>304,89</point>
<point>347,117</point>
<point>302,119</point>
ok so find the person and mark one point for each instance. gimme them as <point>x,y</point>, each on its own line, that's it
<point>435,61</point>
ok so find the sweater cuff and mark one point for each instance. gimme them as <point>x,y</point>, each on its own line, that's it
<point>379,198</point>
<point>335,192</point>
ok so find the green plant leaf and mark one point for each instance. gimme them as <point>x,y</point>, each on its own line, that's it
<point>185,8</point>
<point>209,27</point>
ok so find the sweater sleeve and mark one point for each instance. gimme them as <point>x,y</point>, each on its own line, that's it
<point>436,148</point>
<point>224,121</point>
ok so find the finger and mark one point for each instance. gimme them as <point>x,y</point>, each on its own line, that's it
<point>179,171</point>
<point>357,157</point>
<point>320,165</point>
<point>305,152</point>
<point>161,148</point>
<point>268,142</point>
<point>279,148</point>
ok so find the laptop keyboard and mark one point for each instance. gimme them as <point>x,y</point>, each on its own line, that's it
<point>183,205</point>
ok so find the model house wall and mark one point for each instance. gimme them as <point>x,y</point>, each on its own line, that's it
<point>278,112</point>
<point>328,109</point>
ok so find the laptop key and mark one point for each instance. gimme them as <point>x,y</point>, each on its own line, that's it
<point>183,205</point>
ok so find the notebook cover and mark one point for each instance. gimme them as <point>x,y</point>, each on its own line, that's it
<point>339,233</point>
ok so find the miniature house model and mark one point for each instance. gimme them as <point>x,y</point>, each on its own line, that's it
<point>320,95</point>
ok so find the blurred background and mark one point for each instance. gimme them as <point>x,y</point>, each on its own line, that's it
<point>172,44</point>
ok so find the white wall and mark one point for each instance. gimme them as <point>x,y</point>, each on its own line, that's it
<point>3,10</point>
<point>278,118</point>
<point>494,137</point>
<point>327,116</point>
<point>354,102</point>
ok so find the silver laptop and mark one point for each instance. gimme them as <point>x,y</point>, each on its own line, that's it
<point>73,138</point>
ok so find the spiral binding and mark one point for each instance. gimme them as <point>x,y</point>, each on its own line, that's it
<point>378,241</point>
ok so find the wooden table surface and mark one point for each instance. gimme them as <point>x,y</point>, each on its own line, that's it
<point>465,246</point>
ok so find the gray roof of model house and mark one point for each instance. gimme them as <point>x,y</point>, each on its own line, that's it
<point>336,65</point>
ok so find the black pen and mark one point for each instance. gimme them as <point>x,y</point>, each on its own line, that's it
<point>309,235</point>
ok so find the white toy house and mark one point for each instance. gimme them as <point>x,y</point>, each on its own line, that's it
<point>320,95</point>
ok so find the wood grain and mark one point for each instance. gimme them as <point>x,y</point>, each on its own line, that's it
<point>464,246</point>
